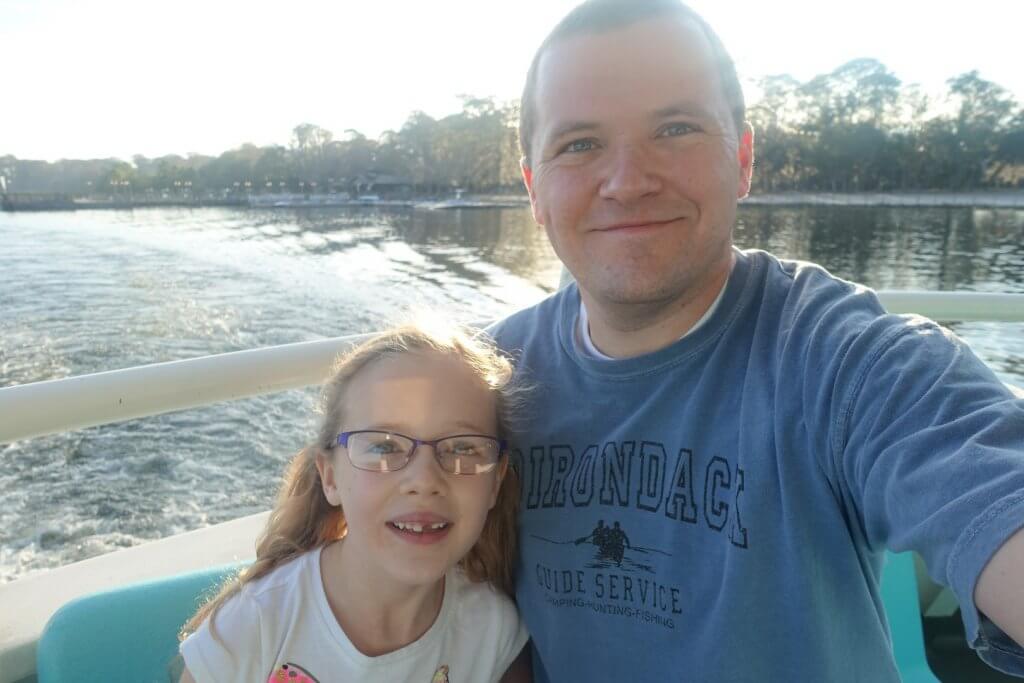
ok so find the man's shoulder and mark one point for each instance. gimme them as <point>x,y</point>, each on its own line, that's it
<point>807,297</point>
<point>823,321</point>
<point>800,278</point>
<point>815,320</point>
<point>514,330</point>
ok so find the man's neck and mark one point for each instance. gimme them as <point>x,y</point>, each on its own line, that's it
<point>628,330</point>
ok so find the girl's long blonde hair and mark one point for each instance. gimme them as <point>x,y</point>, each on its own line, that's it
<point>303,520</point>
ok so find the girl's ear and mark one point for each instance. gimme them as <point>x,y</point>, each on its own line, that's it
<point>325,466</point>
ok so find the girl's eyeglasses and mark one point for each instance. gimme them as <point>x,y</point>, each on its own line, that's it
<point>377,451</point>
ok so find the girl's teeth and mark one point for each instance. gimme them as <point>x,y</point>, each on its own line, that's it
<point>416,527</point>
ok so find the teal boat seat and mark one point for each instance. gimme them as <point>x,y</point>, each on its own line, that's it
<point>130,634</point>
<point>124,635</point>
<point>899,595</point>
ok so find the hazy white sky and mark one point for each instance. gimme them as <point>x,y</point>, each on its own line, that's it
<point>88,79</point>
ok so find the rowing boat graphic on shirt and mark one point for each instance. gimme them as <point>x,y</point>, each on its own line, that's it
<point>611,545</point>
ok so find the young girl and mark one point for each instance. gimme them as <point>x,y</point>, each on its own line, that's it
<point>391,537</point>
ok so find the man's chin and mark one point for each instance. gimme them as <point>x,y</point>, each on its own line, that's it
<point>635,294</point>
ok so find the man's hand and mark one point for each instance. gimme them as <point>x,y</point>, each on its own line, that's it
<point>1000,590</point>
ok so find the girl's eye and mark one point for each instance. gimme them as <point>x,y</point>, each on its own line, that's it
<point>675,130</point>
<point>382,447</point>
<point>577,146</point>
<point>465,450</point>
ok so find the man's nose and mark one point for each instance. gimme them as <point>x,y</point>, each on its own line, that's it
<point>630,174</point>
<point>423,474</point>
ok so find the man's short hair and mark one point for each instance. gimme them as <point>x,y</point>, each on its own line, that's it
<point>596,16</point>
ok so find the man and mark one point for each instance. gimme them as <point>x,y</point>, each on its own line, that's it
<point>763,430</point>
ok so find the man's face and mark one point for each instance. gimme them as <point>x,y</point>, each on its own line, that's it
<point>636,163</point>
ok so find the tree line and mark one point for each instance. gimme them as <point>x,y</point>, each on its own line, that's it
<point>859,128</point>
<point>855,129</point>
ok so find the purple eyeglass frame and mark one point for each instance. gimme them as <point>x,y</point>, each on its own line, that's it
<point>342,440</point>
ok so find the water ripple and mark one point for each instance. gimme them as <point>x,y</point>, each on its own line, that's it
<point>99,290</point>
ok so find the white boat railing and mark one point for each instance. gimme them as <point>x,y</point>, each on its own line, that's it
<point>61,405</point>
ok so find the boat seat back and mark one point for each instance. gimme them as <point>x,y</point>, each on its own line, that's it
<point>128,634</point>
<point>899,595</point>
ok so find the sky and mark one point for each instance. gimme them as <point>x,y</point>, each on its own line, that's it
<point>114,78</point>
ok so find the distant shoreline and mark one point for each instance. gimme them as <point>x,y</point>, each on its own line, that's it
<point>1012,199</point>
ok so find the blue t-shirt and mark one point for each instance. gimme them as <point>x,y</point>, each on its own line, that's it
<point>718,510</point>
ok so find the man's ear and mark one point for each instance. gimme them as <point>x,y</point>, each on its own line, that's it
<point>745,157</point>
<point>524,167</point>
<point>325,466</point>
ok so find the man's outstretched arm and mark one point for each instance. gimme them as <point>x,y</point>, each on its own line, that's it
<point>999,594</point>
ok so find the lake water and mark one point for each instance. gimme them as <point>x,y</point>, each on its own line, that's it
<point>99,290</point>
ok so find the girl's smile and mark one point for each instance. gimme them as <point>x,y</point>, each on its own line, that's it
<point>421,532</point>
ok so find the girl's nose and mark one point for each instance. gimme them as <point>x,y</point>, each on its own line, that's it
<point>423,474</point>
<point>630,175</point>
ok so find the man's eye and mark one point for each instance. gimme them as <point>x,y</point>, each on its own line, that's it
<point>579,146</point>
<point>675,129</point>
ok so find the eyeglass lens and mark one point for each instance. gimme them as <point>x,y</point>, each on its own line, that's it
<point>387,452</point>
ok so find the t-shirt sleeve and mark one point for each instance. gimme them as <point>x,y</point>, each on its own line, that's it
<point>231,649</point>
<point>928,446</point>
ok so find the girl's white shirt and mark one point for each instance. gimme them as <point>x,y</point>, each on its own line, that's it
<point>281,628</point>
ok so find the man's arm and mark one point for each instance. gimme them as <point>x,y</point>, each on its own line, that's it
<point>999,594</point>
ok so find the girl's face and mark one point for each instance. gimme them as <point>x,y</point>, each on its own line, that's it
<point>425,395</point>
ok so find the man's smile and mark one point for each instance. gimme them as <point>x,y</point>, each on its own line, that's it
<point>635,225</point>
